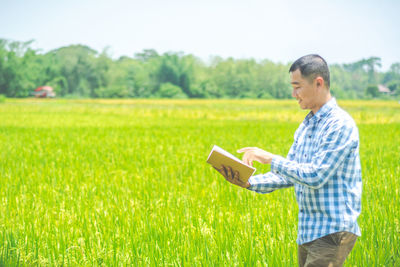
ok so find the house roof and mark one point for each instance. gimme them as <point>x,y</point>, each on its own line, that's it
<point>383,89</point>
<point>44,88</point>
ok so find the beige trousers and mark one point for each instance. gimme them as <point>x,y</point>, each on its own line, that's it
<point>330,250</point>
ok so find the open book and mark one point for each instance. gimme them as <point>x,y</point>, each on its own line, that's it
<point>219,157</point>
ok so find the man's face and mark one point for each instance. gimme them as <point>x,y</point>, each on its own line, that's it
<point>304,91</point>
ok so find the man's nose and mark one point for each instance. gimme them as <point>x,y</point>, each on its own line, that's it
<point>294,94</point>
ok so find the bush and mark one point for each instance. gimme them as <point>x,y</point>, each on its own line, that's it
<point>169,90</point>
<point>2,98</point>
<point>372,90</point>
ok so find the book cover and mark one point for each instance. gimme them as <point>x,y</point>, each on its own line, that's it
<point>219,157</point>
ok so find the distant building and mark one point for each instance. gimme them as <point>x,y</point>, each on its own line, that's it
<point>383,89</point>
<point>44,91</point>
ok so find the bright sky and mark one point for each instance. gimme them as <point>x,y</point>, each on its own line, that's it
<point>341,31</point>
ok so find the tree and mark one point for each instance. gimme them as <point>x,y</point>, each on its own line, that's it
<point>169,90</point>
<point>371,64</point>
<point>82,68</point>
<point>394,87</point>
<point>19,69</point>
<point>176,69</point>
<point>131,76</point>
<point>146,55</point>
<point>79,71</point>
<point>372,90</point>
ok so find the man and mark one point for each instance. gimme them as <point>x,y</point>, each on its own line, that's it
<point>323,165</point>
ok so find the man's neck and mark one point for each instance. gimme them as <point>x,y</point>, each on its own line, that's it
<point>324,99</point>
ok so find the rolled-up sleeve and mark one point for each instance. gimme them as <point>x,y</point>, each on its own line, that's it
<point>334,147</point>
<point>267,183</point>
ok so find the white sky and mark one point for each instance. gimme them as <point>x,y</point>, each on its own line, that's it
<point>341,31</point>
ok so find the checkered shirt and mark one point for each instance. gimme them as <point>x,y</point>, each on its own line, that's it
<point>323,165</point>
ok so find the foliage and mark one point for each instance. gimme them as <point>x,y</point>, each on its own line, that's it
<point>372,90</point>
<point>169,90</point>
<point>79,71</point>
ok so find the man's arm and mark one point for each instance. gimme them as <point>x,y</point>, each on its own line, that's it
<point>335,146</point>
<point>267,183</point>
<point>262,183</point>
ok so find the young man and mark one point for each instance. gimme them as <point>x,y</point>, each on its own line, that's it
<point>323,165</point>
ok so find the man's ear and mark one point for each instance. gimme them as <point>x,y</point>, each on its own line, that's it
<point>320,82</point>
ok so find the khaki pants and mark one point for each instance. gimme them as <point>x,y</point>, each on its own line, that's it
<point>330,250</point>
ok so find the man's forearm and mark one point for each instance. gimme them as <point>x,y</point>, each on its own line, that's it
<point>267,183</point>
<point>311,174</point>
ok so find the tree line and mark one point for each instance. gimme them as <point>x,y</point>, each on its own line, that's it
<point>78,71</point>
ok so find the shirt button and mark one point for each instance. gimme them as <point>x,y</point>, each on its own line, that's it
<point>309,136</point>
<point>305,155</point>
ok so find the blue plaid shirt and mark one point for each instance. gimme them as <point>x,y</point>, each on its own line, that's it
<point>323,165</point>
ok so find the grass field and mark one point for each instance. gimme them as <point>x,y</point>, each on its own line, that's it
<point>124,182</point>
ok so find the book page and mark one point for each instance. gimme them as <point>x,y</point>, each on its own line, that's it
<point>226,153</point>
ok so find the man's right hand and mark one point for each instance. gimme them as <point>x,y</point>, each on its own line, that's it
<point>232,176</point>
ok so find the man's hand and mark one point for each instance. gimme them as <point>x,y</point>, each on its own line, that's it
<point>255,154</point>
<point>232,176</point>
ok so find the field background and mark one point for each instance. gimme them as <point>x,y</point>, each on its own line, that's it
<point>117,182</point>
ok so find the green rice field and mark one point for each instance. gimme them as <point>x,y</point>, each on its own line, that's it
<point>125,183</point>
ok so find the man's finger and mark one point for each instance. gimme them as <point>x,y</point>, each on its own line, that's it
<point>250,162</point>
<point>246,158</point>
<point>225,172</point>
<point>250,159</point>
<point>218,170</point>
<point>236,175</point>
<point>245,149</point>
<point>232,173</point>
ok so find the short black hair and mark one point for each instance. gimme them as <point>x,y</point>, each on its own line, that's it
<point>312,66</point>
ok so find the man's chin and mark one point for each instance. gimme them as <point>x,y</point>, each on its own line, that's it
<point>300,102</point>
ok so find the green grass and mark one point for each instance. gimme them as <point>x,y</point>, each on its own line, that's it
<point>124,182</point>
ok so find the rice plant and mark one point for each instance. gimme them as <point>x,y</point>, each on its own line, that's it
<point>125,182</point>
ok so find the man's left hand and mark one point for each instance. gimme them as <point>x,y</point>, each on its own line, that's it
<point>232,176</point>
<point>255,154</point>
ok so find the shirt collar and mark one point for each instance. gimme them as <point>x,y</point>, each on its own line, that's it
<point>324,110</point>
